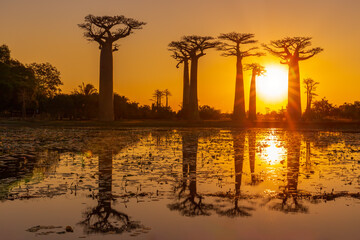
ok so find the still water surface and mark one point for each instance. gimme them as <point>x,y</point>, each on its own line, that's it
<point>179,184</point>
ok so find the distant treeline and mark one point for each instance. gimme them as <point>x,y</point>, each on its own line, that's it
<point>33,91</point>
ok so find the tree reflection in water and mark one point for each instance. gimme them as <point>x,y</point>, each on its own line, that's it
<point>103,218</point>
<point>237,210</point>
<point>290,196</point>
<point>252,154</point>
<point>189,203</point>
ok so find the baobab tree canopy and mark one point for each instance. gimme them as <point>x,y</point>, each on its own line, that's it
<point>291,50</point>
<point>102,29</point>
<point>105,30</point>
<point>236,39</point>
<point>179,51</point>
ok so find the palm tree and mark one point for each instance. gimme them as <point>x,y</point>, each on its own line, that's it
<point>158,95</point>
<point>86,90</point>
<point>291,50</point>
<point>167,94</point>
<point>234,49</point>
<point>257,70</point>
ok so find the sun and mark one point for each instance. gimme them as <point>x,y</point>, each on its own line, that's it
<point>274,84</point>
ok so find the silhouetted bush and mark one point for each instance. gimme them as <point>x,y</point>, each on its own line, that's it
<point>209,113</point>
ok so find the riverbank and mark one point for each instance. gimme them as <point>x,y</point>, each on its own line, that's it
<point>340,125</point>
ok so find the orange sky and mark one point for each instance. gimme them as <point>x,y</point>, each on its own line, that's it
<point>46,31</point>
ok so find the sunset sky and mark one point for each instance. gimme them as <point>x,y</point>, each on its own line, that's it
<point>47,31</point>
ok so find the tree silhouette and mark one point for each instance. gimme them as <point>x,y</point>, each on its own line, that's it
<point>310,88</point>
<point>105,30</point>
<point>190,203</point>
<point>179,49</point>
<point>234,49</point>
<point>158,95</point>
<point>4,54</point>
<point>257,70</point>
<point>196,45</point>
<point>47,82</point>
<point>103,218</point>
<point>86,90</point>
<point>291,50</point>
<point>167,94</point>
<point>252,156</point>
<point>290,200</point>
<point>237,210</point>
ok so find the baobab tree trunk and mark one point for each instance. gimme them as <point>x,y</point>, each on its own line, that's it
<point>193,97</point>
<point>106,94</point>
<point>252,101</point>
<point>293,163</point>
<point>294,101</point>
<point>186,90</point>
<point>252,154</point>
<point>105,178</point>
<point>239,104</point>
<point>238,145</point>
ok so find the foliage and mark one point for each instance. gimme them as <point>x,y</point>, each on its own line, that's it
<point>209,113</point>
<point>47,79</point>
<point>86,90</point>
<point>322,109</point>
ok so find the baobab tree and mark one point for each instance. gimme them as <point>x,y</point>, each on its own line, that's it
<point>105,30</point>
<point>257,70</point>
<point>291,50</point>
<point>234,49</point>
<point>196,45</point>
<point>310,88</point>
<point>180,54</point>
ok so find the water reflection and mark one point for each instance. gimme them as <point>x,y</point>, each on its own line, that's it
<point>290,201</point>
<point>252,156</point>
<point>239,148</point>
<point>189,203</point>
<point>194,173</point>
<point>104,218</point>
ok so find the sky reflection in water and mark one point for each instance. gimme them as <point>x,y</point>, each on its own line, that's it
<point>160,183</point>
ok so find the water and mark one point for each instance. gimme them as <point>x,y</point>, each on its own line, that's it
<point>179,184</point>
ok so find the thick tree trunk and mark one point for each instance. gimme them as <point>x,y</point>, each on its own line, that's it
<point>186,88</point>
<point>189,149</point>
<point>193,97</point>
<point>252,101</point>
<point>106,94</point>
<point>238,145</point>
<point>239,103</point>
<point>105,178</point>
<point>252,153</point>
<point>294,101</point>
<point>293,163</point>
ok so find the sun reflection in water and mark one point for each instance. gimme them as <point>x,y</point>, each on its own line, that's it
<point>271,150</point>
